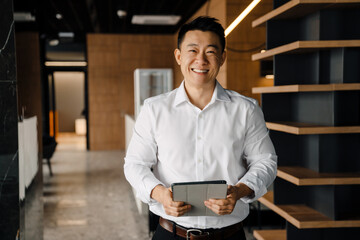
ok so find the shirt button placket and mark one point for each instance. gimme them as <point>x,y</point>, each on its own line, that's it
<point>200,148</point>
<point>200,154</point>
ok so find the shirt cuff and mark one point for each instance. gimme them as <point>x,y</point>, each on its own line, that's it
<point>257,186</point>
<point>149,185</point>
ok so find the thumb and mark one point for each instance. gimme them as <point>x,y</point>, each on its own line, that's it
<point>171,193</point>
<point>230,189</point>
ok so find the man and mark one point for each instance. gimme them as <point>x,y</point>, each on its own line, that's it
<point>199,132</point>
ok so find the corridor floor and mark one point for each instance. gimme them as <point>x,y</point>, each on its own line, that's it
<point>88,197</point>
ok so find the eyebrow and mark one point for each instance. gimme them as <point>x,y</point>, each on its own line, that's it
<point>195,45</point>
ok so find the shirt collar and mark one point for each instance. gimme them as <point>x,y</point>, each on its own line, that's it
<point>181,95</point>
<point>219,94</point>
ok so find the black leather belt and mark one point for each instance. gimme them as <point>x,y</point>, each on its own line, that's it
<point>198,234</point>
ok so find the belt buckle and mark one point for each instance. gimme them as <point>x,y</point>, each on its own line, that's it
<point>189,231</point>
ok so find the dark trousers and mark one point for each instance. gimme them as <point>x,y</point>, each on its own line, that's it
<point>163,234</point>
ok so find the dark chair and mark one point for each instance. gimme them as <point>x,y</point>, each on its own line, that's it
<point>49,146</point>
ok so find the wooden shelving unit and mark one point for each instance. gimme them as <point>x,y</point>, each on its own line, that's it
<point>316,53</point>
<point>301,176</point>
<point>308,88</point>
<point>300,8</point>
<point>304,128</point>
<point>270,234</point>
<point>303,217</point>
<point>303,47</point>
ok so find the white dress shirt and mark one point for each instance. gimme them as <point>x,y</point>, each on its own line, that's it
<point>226,140</point>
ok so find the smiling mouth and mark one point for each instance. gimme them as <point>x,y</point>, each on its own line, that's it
<point>200,70</point>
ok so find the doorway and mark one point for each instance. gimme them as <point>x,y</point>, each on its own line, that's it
<point>70,108</point>
<point>67,115</point>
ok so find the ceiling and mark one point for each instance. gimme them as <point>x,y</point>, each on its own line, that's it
<point>100,16</point>
<point>79,17</point>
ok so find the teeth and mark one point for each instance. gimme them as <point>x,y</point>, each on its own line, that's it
<point>199,70</point>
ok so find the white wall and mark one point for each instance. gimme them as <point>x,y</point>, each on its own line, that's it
<point>69,94</point>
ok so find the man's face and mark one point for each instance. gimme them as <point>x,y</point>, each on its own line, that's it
<point>200,57</point>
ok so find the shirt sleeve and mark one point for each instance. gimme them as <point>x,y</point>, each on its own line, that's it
<point>141,156</point>
<point>260,156</point>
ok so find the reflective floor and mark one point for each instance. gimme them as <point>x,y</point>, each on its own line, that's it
<point>88,197</point>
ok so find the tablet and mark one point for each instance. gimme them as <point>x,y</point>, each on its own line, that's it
<point>195,193</point>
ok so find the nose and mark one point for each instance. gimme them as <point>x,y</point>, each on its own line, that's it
<point>202,58</point>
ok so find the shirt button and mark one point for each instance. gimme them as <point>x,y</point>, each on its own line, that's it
<point>199,160</point>
<point>199,138</point>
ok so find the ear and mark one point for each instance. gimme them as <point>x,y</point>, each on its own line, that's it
<point>177,54</point>
<point>223,58</point>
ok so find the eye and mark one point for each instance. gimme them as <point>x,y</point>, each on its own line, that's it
<point>211,51</point>
<point>192,50</point>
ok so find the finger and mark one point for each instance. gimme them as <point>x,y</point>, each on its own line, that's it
<point>220,202</point>
<point>184,210</point>
<point>217,209</point>
<point>225,206</point>
<point>220,210</point>
<point>176,204</point>
<point>177,211</point>
<point>225,212</point>
<point>231,195</point>
<point>173,212</point>
<point>213,206</point>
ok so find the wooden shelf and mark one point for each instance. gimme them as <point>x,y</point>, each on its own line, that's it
<point>303,217</point>
<point>308,88</point>
<point>304,46</point>
<point>270,234</point>
<point>304,128</point>
<point>299,8</point>
<point>305,177</point>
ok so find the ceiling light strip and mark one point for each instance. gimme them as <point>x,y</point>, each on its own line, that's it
<point>65,64</point>
<point>241,17</point>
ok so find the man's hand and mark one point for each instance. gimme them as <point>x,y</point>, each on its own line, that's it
<point>226,206</point>
<point>164,196</point>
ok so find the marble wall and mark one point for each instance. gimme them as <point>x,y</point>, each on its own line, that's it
<point>29,98</point>
<point>9,173</point>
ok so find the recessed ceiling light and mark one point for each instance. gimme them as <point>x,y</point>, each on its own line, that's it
<point>54,42</point>
<point>66,34</point>
<point>59,16</point>
<point>155,19</point>
<point>121,13</point>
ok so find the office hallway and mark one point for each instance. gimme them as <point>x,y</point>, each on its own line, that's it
<point>88,197</point>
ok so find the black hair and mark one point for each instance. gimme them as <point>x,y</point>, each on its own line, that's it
<point>204,24</point>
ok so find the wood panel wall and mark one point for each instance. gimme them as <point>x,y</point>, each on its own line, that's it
<point>29,79</point>
<point>242,73</point>
<point>112,59</point>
